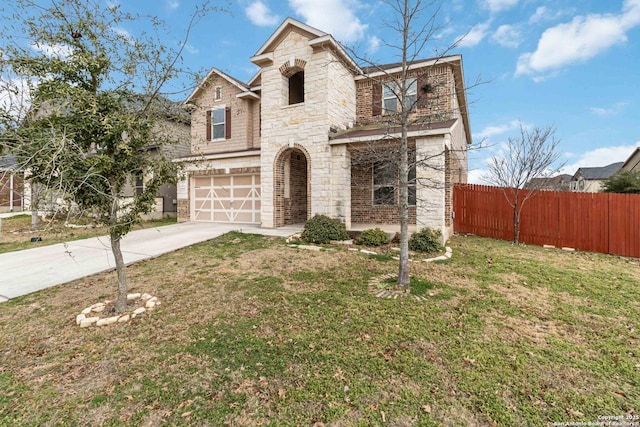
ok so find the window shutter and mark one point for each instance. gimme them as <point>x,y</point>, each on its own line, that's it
<point>208,125</point>
<point>227,123</point>
<point>376,108</point>
<point>423,90</point>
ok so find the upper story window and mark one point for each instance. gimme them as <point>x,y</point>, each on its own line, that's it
<point>217,93</point>
<point>218,123</point>
<point>296,88</point>
<point>293,81</point>
<point>391,95</point>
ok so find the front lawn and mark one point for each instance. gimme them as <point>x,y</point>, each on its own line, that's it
<point>16,232</point>
<point>251,332</point>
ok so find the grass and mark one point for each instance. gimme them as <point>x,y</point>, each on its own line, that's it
<point>16,232</point>
<point>251,332</point>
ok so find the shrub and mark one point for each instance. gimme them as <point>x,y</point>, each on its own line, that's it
<point>322,229</point>
<point>372,237</point>
<point>425,240</point>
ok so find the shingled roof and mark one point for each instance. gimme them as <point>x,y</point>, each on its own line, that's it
<point>597,173</point>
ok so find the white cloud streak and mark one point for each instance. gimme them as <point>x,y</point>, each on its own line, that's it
<point>259,14</point>
<point>599,157</point>
<point>475,35</point>
<point>52,50</point>
<point>610,111</point>
<point>579,40</point>
<point>507,36</point>
<point>337,17</point>
<point>499,5</point>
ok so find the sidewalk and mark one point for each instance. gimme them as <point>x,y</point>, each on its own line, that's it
<point>31,270</point>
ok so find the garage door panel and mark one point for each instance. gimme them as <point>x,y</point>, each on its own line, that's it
<point>202,182</point>
<point>234,198</point>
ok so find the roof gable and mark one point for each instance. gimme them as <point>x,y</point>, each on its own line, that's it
<point>214,71</point>
<point>283,30</point>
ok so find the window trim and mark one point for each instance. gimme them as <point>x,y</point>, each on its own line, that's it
<point>214,124</point>
<point>210,123</point>
<point>389,92</point>
<point>392,184</point>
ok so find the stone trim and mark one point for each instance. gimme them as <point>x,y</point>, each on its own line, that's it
<point>280,211</point>
<point>288,69</point>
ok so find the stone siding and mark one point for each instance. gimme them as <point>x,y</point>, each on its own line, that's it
<point>305,125</point>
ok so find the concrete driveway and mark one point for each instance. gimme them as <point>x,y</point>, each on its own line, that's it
<point>31,270</point>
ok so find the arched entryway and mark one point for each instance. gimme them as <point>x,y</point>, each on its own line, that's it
<point>292,202</point>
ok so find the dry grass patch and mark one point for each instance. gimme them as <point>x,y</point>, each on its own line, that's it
<point>251,332</point>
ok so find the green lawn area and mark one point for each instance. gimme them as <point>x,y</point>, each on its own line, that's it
<point>16,232</point>
<point>251,332</point>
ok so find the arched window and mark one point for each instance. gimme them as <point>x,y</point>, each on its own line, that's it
<point>296,88</point>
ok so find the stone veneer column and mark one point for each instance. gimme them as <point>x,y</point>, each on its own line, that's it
<point>430,189</point>
<point>341,184</point>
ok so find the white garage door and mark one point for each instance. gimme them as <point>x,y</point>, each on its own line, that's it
<point>229,198</point>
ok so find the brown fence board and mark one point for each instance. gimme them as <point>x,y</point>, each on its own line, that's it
<point>597,222</point>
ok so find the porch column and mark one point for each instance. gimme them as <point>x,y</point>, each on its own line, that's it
<point>430,183</point>
<point>341,184</point>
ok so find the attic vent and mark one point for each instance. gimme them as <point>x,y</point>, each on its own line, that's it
<point>291,67</point>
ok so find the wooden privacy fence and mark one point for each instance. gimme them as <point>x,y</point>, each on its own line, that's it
<point>598,222</point>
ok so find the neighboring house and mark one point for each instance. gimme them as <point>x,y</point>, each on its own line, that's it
<point>591,180</point>
<point>632,164</point>
<point>553,183</point>
<point>174,127</point>
<point>11,185</point>
<point>288,144</point>
<point>177,127</point>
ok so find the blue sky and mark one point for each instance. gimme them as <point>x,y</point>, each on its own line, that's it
<point>572,64</point>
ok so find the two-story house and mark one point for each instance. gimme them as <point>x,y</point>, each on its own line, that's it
<point>301,137</point>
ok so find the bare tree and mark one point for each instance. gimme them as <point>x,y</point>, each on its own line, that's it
<point>534,154</point>
<point>416,25</point>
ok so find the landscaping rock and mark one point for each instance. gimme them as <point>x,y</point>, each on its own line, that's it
<point>131,297</point>
<point>79,318</point>
<point>124,318</point>
<point>364,251</point>
<point>139,310</point>
<point>107,321</point>
<point>84,323</point>
<point>341,242</point>
<point>150,304</point>
<point>309,247</point>
<point>145,297</point>
<point>86,310</point>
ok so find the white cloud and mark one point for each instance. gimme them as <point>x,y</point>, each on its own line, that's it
<point>15,96</point>
<point>579,40</point>
<point>374,45</point>
<point>507,36</point>
<point>260,14</point>
<point>611,111</point>
<point>498,5</point>
<point>491,131</point>
<point>599,157</point>
<point>541,14</point>
<point>172,4</point>
<point>477,33</point>
<point>475,176</point>
<point>191,48</point>
<point>337,17</point>
<point>52,50</point>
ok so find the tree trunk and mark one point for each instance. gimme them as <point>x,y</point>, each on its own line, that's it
<point>121,303</point>
<point>116,237</point>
